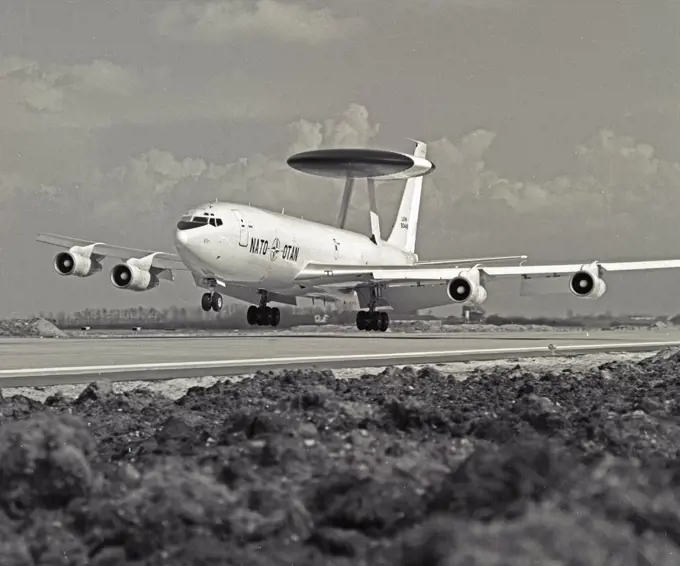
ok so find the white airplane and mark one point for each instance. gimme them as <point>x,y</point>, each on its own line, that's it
<point>259,256</point>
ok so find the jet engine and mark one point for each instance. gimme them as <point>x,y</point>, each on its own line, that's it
<point>132,278</point>
<point>587,284</point>
<point>70,263</point>
<point>467,289</point>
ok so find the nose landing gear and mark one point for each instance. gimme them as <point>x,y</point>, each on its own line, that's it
<point>263,315</point>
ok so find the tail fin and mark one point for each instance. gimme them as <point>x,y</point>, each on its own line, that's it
<point>405,227</point>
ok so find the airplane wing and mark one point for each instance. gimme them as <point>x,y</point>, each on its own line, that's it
<point>160,260</point>
<point>570,269</point>
<point>328,274</point>
<point>457,262</point>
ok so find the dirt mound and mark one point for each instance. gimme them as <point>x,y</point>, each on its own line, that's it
<point>402,467</point>
<point>33,327</point>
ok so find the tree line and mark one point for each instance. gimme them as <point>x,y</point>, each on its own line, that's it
<point>231,316</point>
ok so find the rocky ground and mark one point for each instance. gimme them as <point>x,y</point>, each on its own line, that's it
<point>30,328</point>
<point>513,465</point>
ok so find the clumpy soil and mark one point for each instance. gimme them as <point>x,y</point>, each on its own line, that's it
<point>30,328</point>
<point>404,467</point>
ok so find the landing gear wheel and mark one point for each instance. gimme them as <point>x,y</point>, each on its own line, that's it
<point>362,320</point>
<point>253,315</point>
<point>373,321</point>
<point>206,302</point>
<point>216,302</point>
<point>264,316</point>
<point>383,321</point>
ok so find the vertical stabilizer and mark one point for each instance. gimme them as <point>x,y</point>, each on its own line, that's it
<point>405,227</point>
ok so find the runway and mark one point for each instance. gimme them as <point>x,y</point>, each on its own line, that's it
<point>80,360</point>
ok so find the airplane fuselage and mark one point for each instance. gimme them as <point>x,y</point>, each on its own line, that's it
<point>249,246</point>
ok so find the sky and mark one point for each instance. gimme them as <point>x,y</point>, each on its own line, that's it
<point>554,126</point>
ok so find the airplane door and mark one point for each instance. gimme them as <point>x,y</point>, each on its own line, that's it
<point>243,228</point>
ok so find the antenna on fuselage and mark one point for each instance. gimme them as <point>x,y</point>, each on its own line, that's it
<point>370,164</point>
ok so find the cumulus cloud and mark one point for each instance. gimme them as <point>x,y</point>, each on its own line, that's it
<point>610,174</point>
<point>221,21</point>
<point>99,94</point>
<point>48,96</point>
<point>158,182</point>
<point>627,169</point>
<point>469,4</point>
<point>352,129</point>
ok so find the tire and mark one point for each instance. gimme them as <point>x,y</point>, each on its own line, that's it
<point>383,321</point>
<point>216,302</point>
<point>275,317</point>
<point>206,302</point>
<point>252,315</point>
<point>264,316</point>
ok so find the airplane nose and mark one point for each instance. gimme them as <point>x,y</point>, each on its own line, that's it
<point>182,238</point>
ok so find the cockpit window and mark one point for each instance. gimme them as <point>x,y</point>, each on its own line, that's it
<point>187,223</point>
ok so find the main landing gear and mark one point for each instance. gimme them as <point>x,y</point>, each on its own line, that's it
<point>211,301</point>
<point>373,320</point>
<point>263,315</point>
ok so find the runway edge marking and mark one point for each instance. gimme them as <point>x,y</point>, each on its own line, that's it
<point>174,370</point>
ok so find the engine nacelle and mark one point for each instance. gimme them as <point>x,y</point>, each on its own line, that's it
<point>467,289</point>
<point>132,278</point>
<point>587,285</point>
<point>70,263</point>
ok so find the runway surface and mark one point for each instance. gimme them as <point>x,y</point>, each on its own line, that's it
<point>79,360</point>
